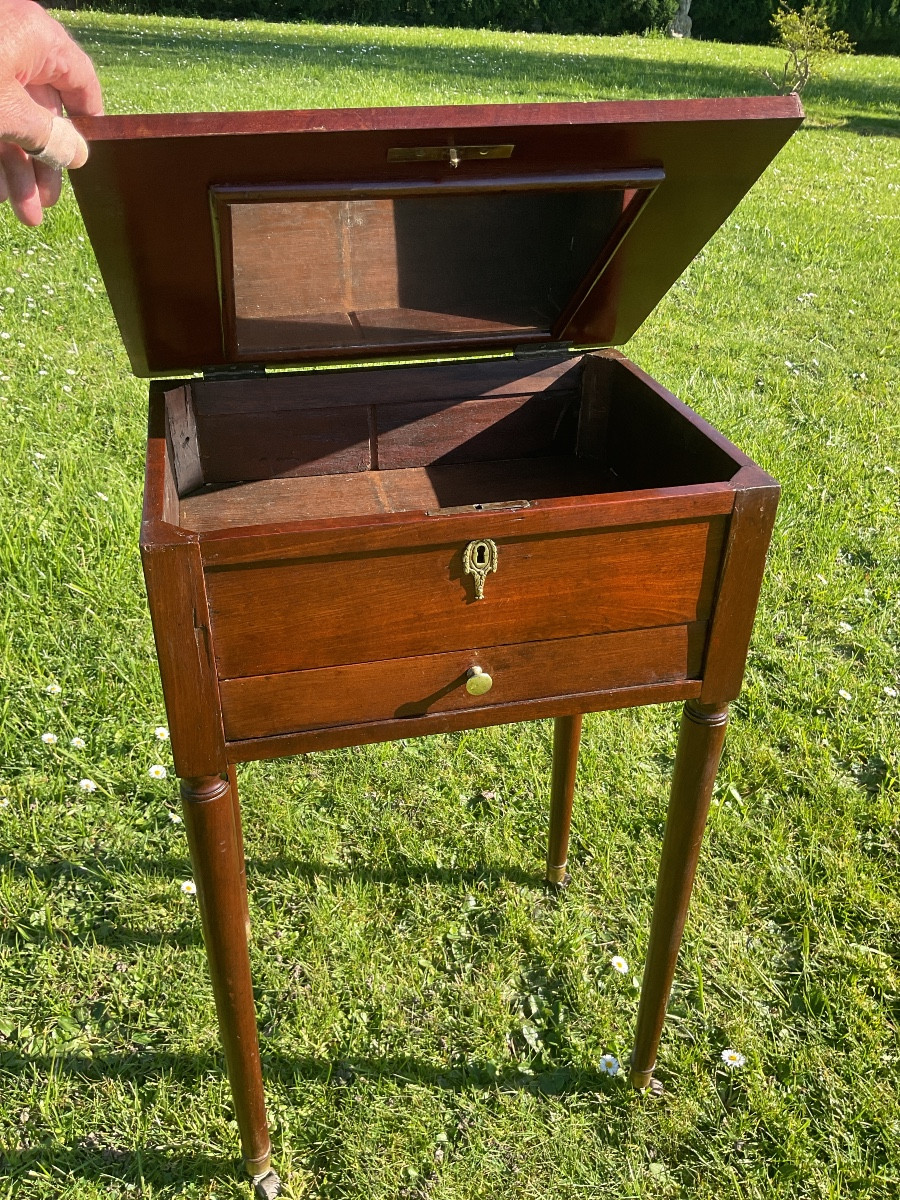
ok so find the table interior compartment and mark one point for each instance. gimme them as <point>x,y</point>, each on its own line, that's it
<point>426,438</point>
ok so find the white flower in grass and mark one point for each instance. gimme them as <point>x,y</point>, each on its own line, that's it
<point>892,692</point>
<point>174,818</point>
<point>618,963</point>
<point>845,627</point>
<point>609,1064</point>
<point>78,743</point>
<point>53,689</point>
<point>87,785</point>
<point>102,496</point>
<point>157,771</point>
<point>49,739</point>
<point>189,888</point>
<point>844,694</point>
<point>733,1059</point>
<point>4,801</point>
<point>161,733</point>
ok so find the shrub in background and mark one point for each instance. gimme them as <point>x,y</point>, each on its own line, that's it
<point>809,43</point>
<point>873,25</point>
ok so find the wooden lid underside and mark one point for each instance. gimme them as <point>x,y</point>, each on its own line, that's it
<point>251,238</point>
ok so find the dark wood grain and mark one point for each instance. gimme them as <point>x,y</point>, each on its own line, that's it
<point>414,383</point>
<point>324,612</point>
<point>412,687</point>
<point>420,490</point>
<point>270,445</point>
<point>743,564</point>
<point>218,874</point>
<point>336,736</point>
<point>181,429</point>
<point>176,593</point>
<point>144,194</point>
<point>414,435</point>
<point>566,740</point>
<point>399,532</point>
<point>699,748</point>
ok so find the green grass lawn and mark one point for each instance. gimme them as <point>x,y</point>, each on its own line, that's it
<point>431,1019</point>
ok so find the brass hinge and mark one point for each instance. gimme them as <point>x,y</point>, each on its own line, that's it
<point>242,371</point>
<point>454,155</point>
<point>544,350</point>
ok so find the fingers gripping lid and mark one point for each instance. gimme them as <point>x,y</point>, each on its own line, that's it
<point>65,147</point>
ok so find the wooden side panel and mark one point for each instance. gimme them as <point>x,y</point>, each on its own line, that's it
<point>275,704</point>
<point>177,598</point>
<point>412,384</point>
<point>294,615</point>
<point>744,561</point>
<point>268,445</point>
<point>181,430</point>
<point>414,435</point>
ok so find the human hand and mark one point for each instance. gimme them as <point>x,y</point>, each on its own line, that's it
<point>41,71</point>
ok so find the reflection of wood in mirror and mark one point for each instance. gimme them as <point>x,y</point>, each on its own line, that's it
<point>400,270</point>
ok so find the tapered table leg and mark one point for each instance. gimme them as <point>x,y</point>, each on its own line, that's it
<point>209,816</point>
<point>239,837</point>
<point>566,740</point>
<point>697,760</point>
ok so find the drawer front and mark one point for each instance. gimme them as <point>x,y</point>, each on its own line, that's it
<point>267,705</point>
<point>300,614</point>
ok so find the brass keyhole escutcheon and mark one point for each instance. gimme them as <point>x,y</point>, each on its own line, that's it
<point>479,560</point>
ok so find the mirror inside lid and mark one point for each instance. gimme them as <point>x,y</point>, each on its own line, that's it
<point>237,238</point>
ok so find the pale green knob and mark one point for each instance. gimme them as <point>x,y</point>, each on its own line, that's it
<point>478,681</point>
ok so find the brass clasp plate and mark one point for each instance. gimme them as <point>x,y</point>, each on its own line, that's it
<point>479,560</point>
<point>451,154</point>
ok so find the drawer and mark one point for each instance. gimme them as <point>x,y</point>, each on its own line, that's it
<point>300,614</point>
<point>268,705</point>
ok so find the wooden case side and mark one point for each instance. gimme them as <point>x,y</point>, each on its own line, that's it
<point>176,594</point>
<point>743,564</point>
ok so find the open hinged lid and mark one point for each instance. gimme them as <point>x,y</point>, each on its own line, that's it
<point>230,239</point>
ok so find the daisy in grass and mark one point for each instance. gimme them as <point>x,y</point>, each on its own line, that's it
<point>157,771</point>
<point>189,888</point>
<point>609,1064</point>
<point>78,743</point>
<point>618,963</point>
<point>733,1059</point>
<point>49,739</point>
<point>161,733</point>
<point>174,818</point>
<point>53,689</point>
<point>87,785</point>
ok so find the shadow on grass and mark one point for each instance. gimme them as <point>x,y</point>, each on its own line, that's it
<point>113,934</point>
<point>473,68</point>
<point>149,1065</point>
<point>104,1162</point>
<point>93,1158</point>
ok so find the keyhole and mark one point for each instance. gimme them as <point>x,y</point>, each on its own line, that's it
<point>480,555</point>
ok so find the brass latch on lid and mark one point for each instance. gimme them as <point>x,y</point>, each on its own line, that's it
<point>454,155</point>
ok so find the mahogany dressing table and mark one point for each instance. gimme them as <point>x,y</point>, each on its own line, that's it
<point>456,504</point>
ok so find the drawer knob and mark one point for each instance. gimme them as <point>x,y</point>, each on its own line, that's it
<point>478,681</point>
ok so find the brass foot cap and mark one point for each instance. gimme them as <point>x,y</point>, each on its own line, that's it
<point>644,1081</point>
<point>558,878</point>
<point>267,1186</point>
